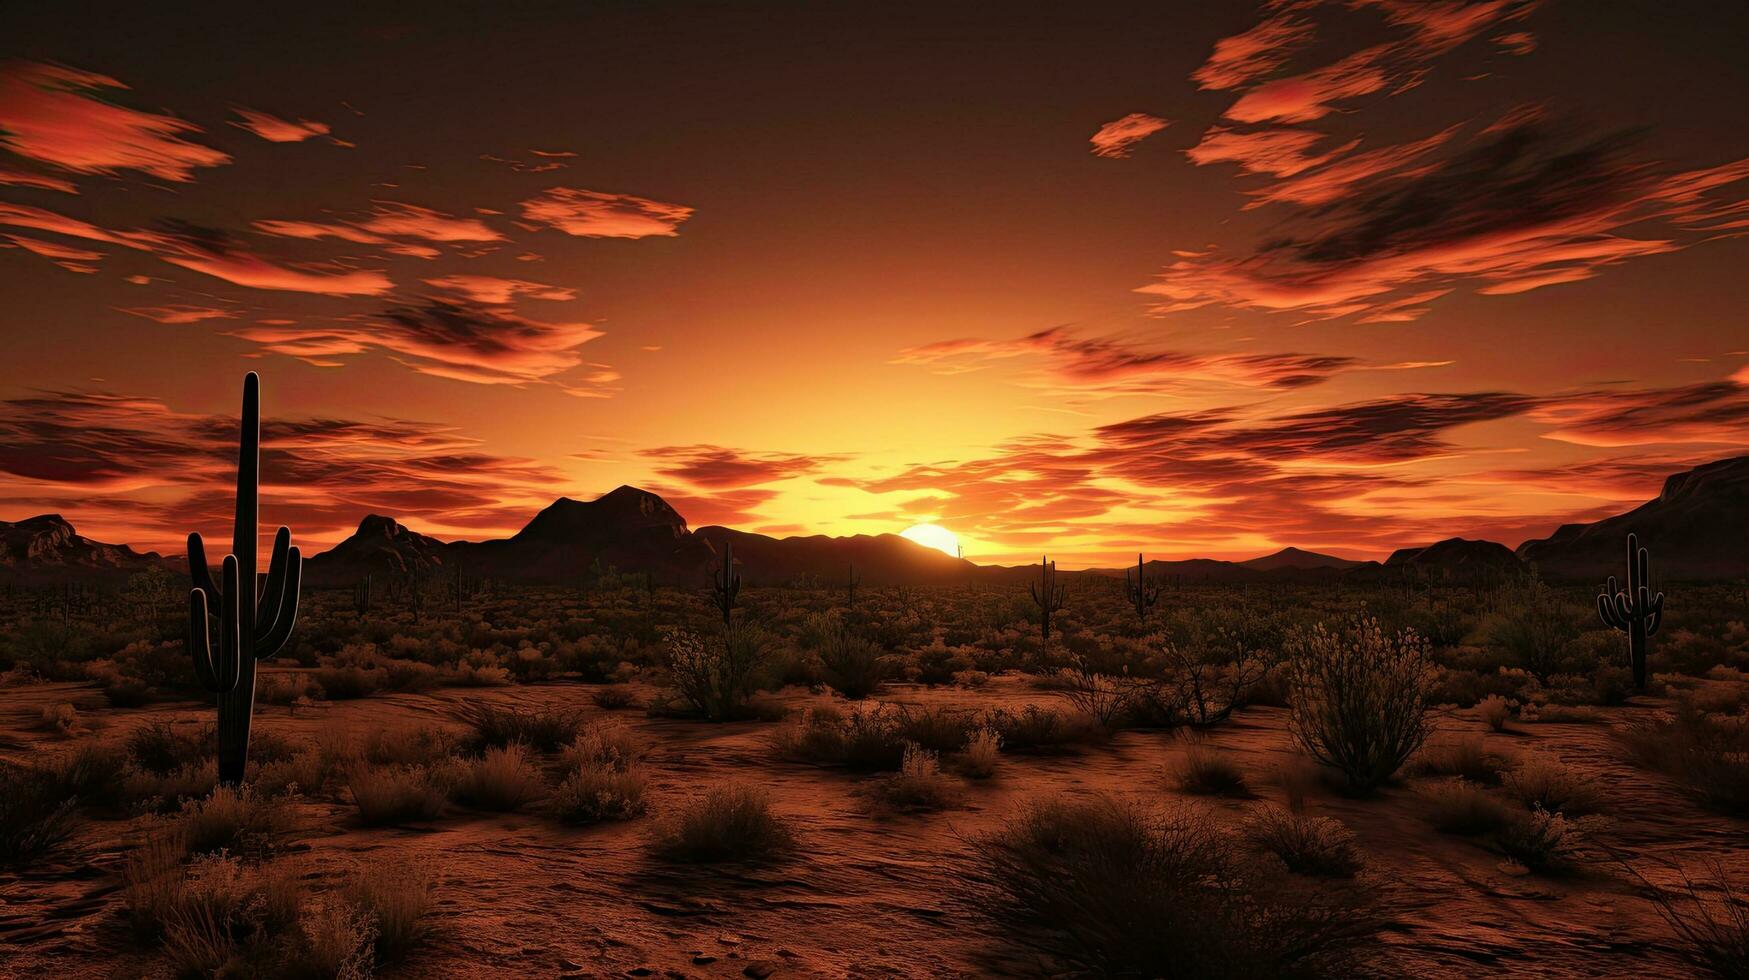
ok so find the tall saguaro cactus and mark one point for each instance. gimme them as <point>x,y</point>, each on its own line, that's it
<point>727,583</point>
<point>254,621</point>
<point>854,581</point>
<point>1047,594</point>
<point>1142,591</point>
<point>1636,611</point>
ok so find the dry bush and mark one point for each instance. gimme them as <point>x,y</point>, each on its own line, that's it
<point>236,820</point>
<point>1710,917</point>
<point>714,674</point>
<point>393,795</point>
<point>333,939</point>
<point>870,738</point>
<point>1308,845</point>
<point>603,746</point>
<point>1465,756</point>
<point>61,719</point>
<point>1546,783</point>
<point>395,895</point>
<point>1360,698</point>
<point>1707,753</point>
<point>496,726</point>
<point>1548,843</point>
<point>1458,806</point>
<point>168,792</point>
<point>504,779</point>
<point>983,751</point>
<point>596,794</point>
<point>1036,729</point>
<point>614,697</point>
<point>1495,711</point>
<point>851,663</point>
<point>408,746</point>
<point>1208,772</point>
<point>308,771</point>
<point>34,816</point>
<point>161,748</point>
<point>918,786</point>
<point>728,823</point>
<point>92,772</point>
<point>1112,888</point>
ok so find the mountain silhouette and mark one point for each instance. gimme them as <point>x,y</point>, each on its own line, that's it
<point>880,559</point>
<point>1696,528</point>
<point>1460,557</point>
<point>1297,559</point>
<point>46,549</point>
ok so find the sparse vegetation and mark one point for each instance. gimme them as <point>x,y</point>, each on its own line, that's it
<point>1458,806</point>
<point>1308,845</point>
<point>728,823</point>
<point>1360,698</point>
<point>502,779</point>
<point>1205,771</point>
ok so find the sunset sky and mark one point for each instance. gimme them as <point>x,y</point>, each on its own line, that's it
<point>1195,279</point>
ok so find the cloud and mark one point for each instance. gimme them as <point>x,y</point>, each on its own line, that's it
<point>388,220</point>
<point>55,115</point>
<point>1714,412</point>
<point>277,130</point>
<point>492,290</point>
<point>1259,51</point>
<point>65,256</point>
<point>1115,139</point>
<point>593,214</point>
<point>132,461</point>
<point>452,339</point>
<point>18,178</point>
<point>1281,152</point>
<point>1524,208</point>
<point>1112,365</point>
<point>180,313</point>
<point>720,467</point>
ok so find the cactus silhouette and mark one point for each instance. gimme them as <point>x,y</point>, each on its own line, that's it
<point>1636,611</point>
<point>1142,591</point>
<point>1048,594</point>
<point>254,621</point>
<point>727,582</point>
<point>854,581</point>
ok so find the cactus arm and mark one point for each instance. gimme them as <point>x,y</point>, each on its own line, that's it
<point>274,638</point>
<point>1655,614</point>
<point>267,609</point>
<point>200,643</point>
<point>217,674</point>
<point>197,567</point>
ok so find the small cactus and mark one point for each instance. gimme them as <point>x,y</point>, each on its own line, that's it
<point>854,581</point>
<point>727,583</point>
<point>254,623</point>
<point>1143,593</point>
<point>1636,611</point>
<point>1047,594</point>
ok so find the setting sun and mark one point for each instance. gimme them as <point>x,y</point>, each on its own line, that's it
<point>933,536</point>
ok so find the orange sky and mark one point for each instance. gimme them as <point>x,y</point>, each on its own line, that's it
<point>1344,275</point>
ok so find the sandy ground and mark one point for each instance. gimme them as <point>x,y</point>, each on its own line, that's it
<point>521,895</point>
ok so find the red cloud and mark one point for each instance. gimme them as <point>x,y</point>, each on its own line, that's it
<point>719,467</point>
<point>1259,51</point>
<point>1708,413</point>
<point>495,291</point>
<point>277,130</point>
<point>180,314</point>
<point>388,220</point>
<point>592,214</point>
<point>51,114</point>
<point>1115,139</point>
<point>18,178</point>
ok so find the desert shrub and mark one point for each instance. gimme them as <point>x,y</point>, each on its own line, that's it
<point>332,938</point>
<point>220,917</point>
<point>1036,729</point>
<point>392,795</point>
<point>406,746</point>
<point>1217,662</point>
<point>1360,698</point>
<point>1495,711</point>
<point>1111,888</point>
<point>34,815</point>
<point>614,697</point>
<point>1535,629</point>
<point>236,820</point>
<point>1546,783</point>
<point>919,785</point>
<point>728,823</point>
<point>61,719</point>
<point>1458,806</point>
<point>1709,754</point>
<point>983,751</point>
<point>1206,772</point>
<point>714,674</point>
<point>1101,676</point>
<point>546,729</point>
<point>599,794</point>
<point>1465,756</point>
<point>850,662</point>
<point>347,682</point>
<point>503,779</point>
<point>1308,845</point>
<point>1548,843</point>
<point>92,772</point>
<point>308,771</point>
<point>168,792</point>
<point>603,746</point>
<point>936,729</point>
<point>870,738</point>
<point>395,896</point>
<point>161,748</point>
<point>1710,917</point>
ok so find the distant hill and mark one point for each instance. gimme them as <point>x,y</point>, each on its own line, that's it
<point>46,550</point>
<point>880,559</point>
<point>1697,528</point>
<point>1294,558</point>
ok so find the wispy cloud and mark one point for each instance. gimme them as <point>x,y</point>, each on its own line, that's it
<point>276,130</point>
<point>593,214</point>
<point>58,115</point>
<point>1115,139</point>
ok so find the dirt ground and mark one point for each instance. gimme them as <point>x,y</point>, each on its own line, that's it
<point>867,895</point>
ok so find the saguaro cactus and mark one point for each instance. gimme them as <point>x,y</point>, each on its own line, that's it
<point>854,581</point>
<point>1635,611</point>
<point>1142,591</point>
<point>1048,594</point>
<point>254,622</point>
<point>727,584</point>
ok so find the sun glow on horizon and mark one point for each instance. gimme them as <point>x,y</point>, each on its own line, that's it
<point>933,536</point>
